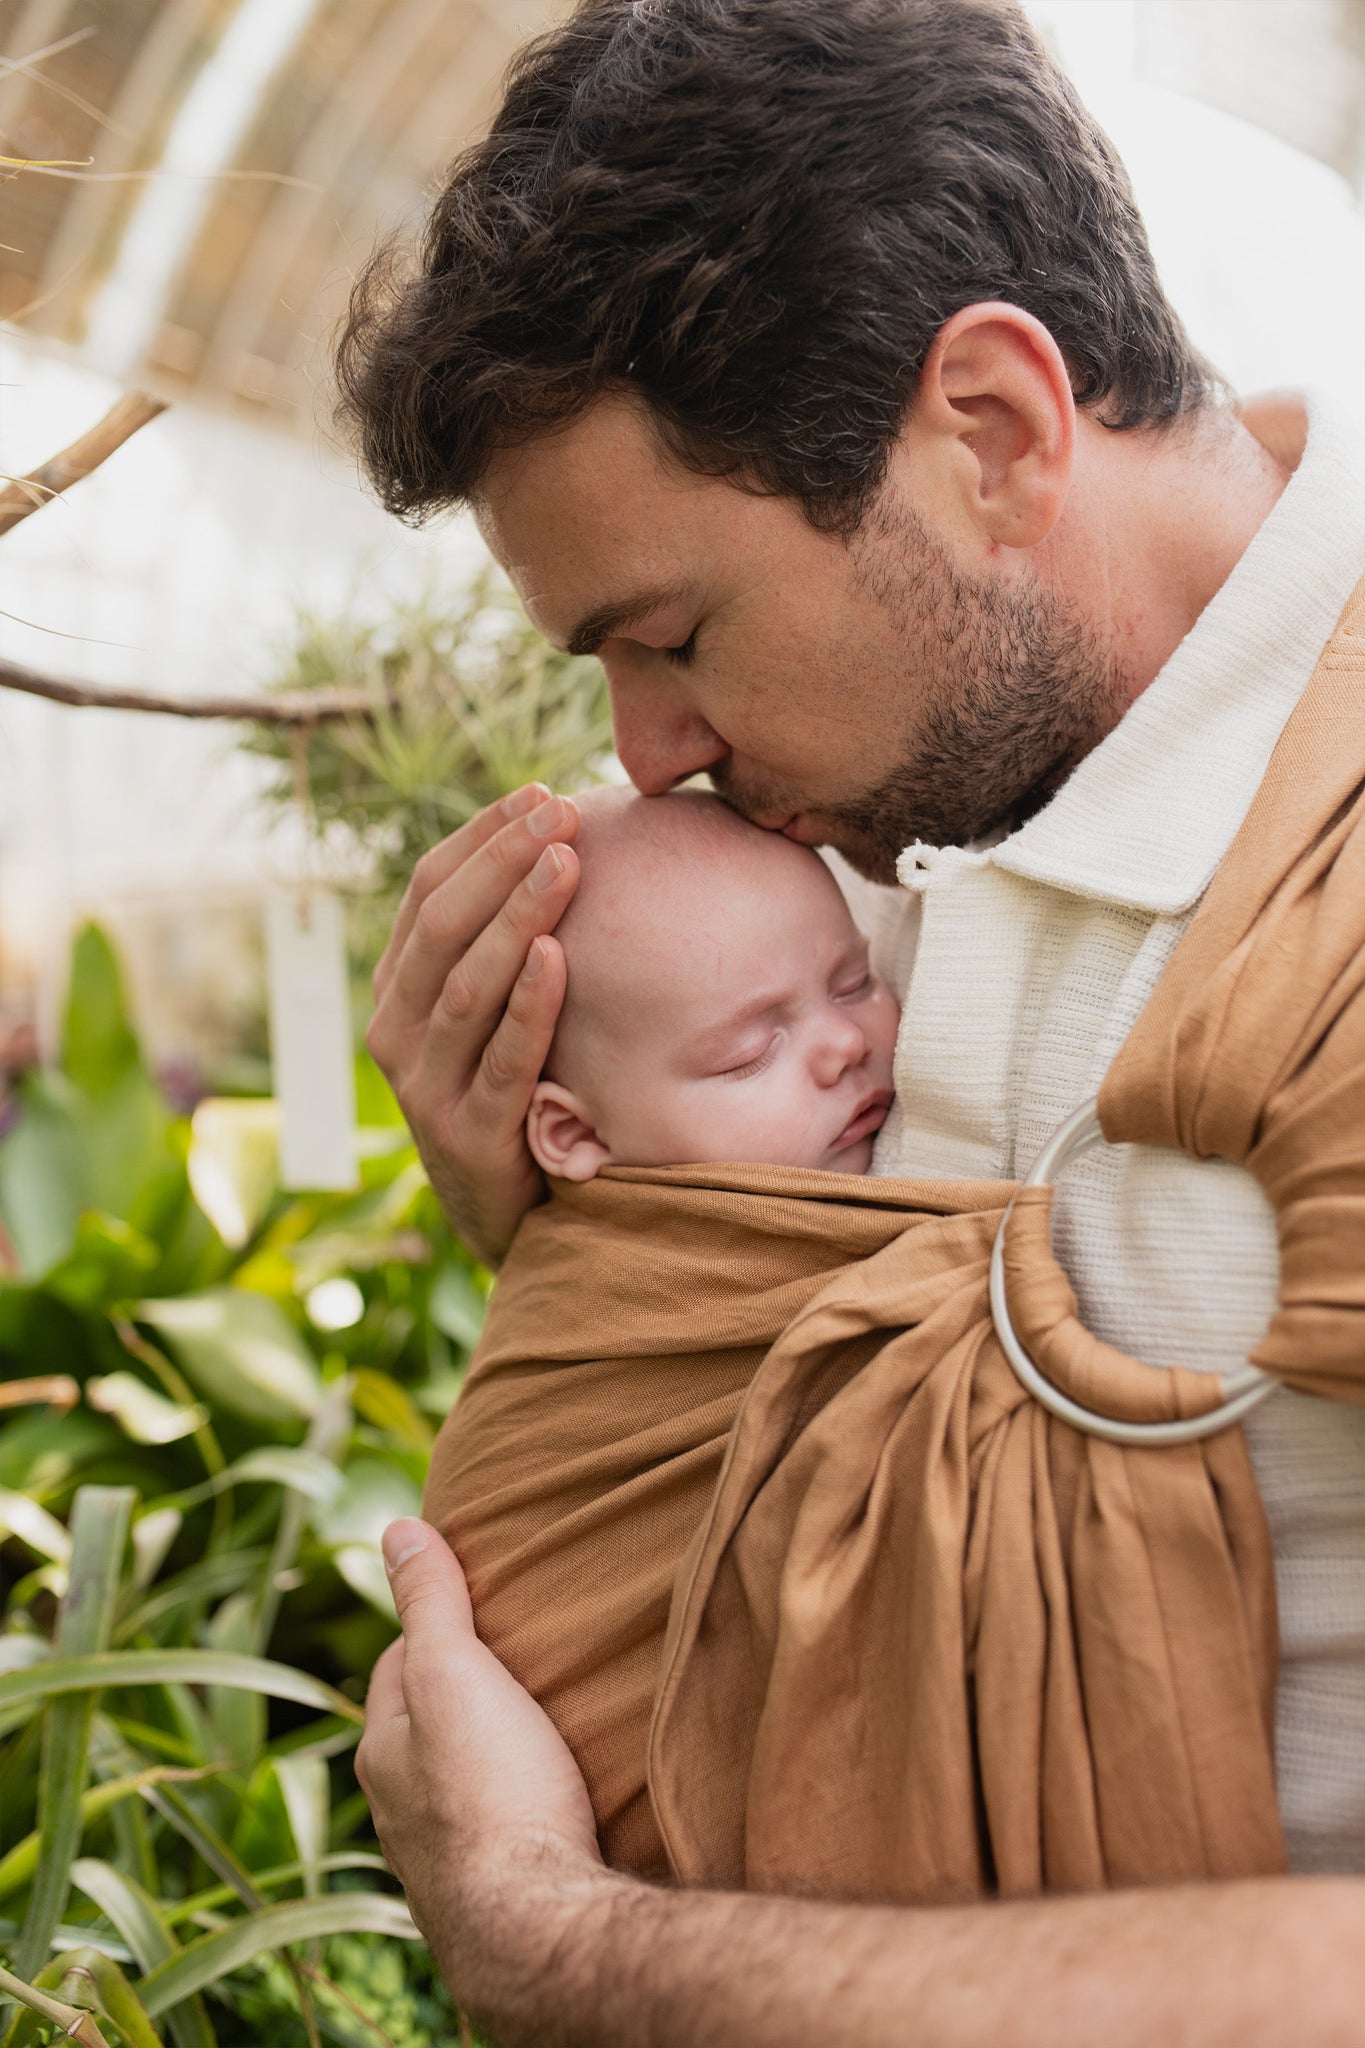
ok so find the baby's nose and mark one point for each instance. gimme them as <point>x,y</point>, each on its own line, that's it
<point>843,1045</point>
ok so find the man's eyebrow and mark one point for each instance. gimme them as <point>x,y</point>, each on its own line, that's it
<point>609,619</point>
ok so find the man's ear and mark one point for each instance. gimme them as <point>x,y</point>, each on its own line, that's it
<point>994,406</point>
<point>560,1135</point>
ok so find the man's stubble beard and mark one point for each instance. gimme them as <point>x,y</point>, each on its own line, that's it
<point>1022,691</point>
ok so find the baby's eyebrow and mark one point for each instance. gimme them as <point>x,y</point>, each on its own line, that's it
<point>610,619</point>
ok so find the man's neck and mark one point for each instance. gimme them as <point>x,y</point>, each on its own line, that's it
<point>1163,516</point>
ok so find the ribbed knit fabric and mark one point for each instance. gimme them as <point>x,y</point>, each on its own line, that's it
<point>1023,967</point>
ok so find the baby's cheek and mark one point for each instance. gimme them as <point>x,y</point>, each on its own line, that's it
<point>795,1125</point>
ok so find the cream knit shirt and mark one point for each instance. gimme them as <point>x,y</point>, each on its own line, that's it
<point>1022,969</point>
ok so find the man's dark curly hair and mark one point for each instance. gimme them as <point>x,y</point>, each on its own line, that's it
<point>755,215</point>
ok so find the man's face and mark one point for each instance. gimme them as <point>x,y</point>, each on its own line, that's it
<point>857,693</point>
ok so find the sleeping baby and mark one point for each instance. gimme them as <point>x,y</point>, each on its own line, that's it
<point>721,1068</point>
<point>720,1004</point>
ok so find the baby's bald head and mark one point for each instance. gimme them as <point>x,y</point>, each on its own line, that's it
<point>656,874</point>
<point>718,1005</point>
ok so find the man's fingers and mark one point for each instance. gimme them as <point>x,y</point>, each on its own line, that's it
<point>428,1585</point>
<point>500,1093</point>
<point>524,868</point>
<point>440,862</point>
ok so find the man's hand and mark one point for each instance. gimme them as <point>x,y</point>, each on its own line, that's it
<point>483,1815</point>
<point>466,998</point>
<point>473,1792</point>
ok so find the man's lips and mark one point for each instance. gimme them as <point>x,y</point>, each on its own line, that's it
<point>870,1117</point>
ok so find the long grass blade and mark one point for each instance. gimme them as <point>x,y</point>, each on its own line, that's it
<point>213,1956</point>
<point>139,1918</point>
<point>178,1910</point>
<point>99,1530</point>
<point>133,1911</point>
<point>221,1859</point>
<point>22,1691</point>
<point>208,1579</point>
<point>19,1863</point>
<point>305,1787</point>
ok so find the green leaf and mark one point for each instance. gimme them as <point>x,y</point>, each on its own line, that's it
<point>99,1530</point>
<point>280,1873</point>
<point>242,1351</point>
<point>237,1716</point>
<point>42,1173</point>
<point>153,1535</point>
<point>99,1048</point>
<point>456,1305</point>
<point>140,1411</point>
<point>214,1956</point>
<point>20,1652</point>
<point>300,1469</point>
<point>234,1163</point>
<point>389,1406</point>
<point>33,1525</point>
<point>123,1139</point>
<point>19,1863</point>
<point>64,1991</point>
<point>22,1691</point>
<point>131,1910</point>
<point>305,1786</point>
<point>108,1261</point>
<point>139,1919</point>
<point>375,1492</point>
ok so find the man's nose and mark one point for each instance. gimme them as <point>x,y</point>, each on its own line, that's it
<point>659,740</point>
<point>842,1044</point>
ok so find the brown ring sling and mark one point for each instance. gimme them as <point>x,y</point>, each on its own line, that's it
<point>751,1497</point>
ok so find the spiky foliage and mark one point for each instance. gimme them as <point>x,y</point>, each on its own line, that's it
<point>469,703</point>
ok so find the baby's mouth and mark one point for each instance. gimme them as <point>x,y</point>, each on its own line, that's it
<point>869,1119</point>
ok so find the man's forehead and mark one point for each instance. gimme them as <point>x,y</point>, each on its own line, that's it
<point>592,515</point>
<point>598,467</point>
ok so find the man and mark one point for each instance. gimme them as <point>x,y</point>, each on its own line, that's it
<point>806,362</point>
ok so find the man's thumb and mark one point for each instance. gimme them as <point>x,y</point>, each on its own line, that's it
<point>424,1574</point>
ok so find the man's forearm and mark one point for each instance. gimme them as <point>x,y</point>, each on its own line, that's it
<point>612,1963</point>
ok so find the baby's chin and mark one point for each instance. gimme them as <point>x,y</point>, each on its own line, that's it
<point>852,1159</point>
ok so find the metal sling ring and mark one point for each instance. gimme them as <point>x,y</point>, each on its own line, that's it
<point>1242,1389</point>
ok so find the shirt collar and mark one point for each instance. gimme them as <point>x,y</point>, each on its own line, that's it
<point>1145,819</point>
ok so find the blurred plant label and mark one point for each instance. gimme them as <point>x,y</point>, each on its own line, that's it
<point>310,1040</point>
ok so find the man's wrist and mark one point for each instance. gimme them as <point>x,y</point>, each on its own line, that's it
<point>521,1947</point>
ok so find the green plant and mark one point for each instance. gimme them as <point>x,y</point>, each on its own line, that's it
<point>195,1464</point>
<point>470,702</point>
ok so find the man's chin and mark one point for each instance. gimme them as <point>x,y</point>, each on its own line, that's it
<point>874,862</point>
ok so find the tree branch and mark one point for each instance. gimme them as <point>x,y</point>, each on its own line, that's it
<point>276,707</point>
<point>30,493</point>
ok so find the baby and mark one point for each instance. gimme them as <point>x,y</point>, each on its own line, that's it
<point>720,1005</point>
<point>720,1071</point>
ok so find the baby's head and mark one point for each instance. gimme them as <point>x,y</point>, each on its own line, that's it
<point>719,1005</point>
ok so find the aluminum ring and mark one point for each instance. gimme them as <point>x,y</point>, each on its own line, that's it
<point>1242,1389</point>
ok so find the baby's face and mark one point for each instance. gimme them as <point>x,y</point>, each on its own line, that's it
<point>732,1013</point>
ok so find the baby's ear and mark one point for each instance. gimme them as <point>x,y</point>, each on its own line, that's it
<point>562,1140</point>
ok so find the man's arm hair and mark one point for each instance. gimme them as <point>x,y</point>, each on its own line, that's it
<point>608,1962</point>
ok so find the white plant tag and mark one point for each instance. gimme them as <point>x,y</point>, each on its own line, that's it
<point>310,1039</point>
